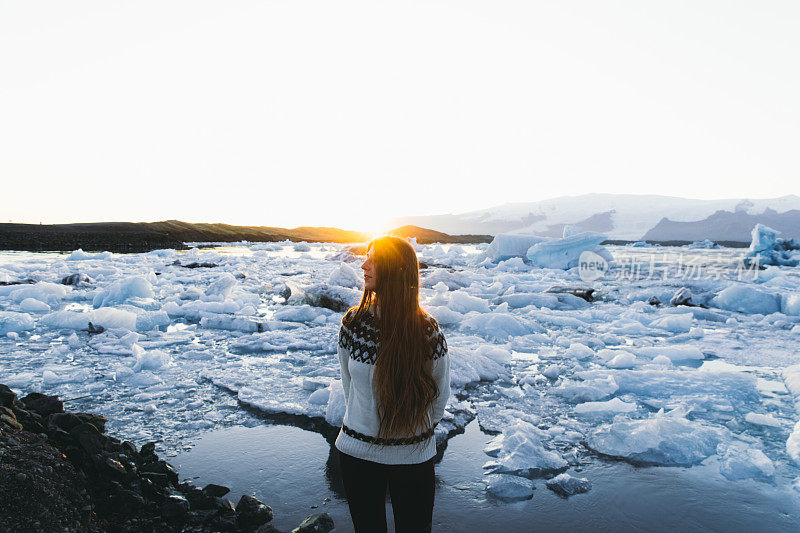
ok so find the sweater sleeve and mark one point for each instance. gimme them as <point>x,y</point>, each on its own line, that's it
<point>441,374</point>
<point>344,356</point>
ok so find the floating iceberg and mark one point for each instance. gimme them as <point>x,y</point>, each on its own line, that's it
<point>563,253</point>
<point>508,487</point>
<point>11,322</point>
<point>566,485</point>
<point>746,299</point>
<point>766,248</point>
<point>505,246</point>
<point>664,439</point>
<point>738,462</point>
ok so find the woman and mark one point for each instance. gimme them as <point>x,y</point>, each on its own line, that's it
<point>396,379</point>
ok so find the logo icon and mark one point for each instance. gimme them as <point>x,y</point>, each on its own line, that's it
<point>591,266</point>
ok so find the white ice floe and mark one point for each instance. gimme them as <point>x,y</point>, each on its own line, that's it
<point>567,485</point>
<point>563,253</point>
<point>738,461</point>
<point>746,299</point>
<point>509,487</point>
<point>505,246</point>
<point>519,450</point>
<point>612,406</point>
<point>662,439</point>
<point>11,322</point>
<point>759,419</point>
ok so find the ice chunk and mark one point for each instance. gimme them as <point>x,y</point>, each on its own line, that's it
<point>758,419</point>
<point>566,485</point>
<point>793,444</point>
<point>15,322</point>
<point>495,353</point>
<point>590,390</point>
<point>302,246</point>
<point>578,350</point>
<point>553,371</point>
<point>790,304</point>
<point>119,291</point>
<point>563,253</point>
<point>680,323</point>
<point>444,315</point>
<point>334,413</point>
<point>152,360</point>
<point>738,462</point>
<point>505,246</point>
<point>673,353</point>
<point>198,355</point>
<point>302,313</point>
<point>500,326</point>
<point>222,287</point>
<point>50,293</point>
<point>767,249</point>
<point>461,302</point>
<point>746,299</point>
<point>616,358</point>
<point>110,317</point>
<point>319,397</point>
<point>663,439</point>
<point>32,305</point>
<point>508,487</point>
<point>80,255</point>
<point>612,406</point>
<point>345,276</point>
<point>521,452</point>
<point>467,366</point>
<point>332,297</point>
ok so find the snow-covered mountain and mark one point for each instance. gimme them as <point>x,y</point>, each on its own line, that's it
<point>620,216</point>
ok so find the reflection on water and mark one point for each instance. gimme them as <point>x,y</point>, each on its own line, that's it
<point>293,470</point>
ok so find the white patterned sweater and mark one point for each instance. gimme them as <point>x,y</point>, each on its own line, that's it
<point>358,350</point>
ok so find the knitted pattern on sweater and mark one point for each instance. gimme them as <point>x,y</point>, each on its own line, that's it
<point>358,351</point>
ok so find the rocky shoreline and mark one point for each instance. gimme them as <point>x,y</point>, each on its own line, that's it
<point>59,471</point>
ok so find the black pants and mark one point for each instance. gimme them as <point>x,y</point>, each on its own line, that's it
<point>411,488</point>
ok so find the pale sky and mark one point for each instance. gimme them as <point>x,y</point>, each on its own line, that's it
<point>343,113</point>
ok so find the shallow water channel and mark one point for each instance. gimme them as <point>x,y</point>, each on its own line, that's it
<point>295,471</point>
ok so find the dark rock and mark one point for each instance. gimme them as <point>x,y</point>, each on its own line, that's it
<point>225,506</point>
<point>68,421</point>
<point>42,404</point>
<point>161,467</point>
<point>114,468</point>
<point>174,508</point>
<point>129,449</point>
<point>268,528</point>
<point>217,491</point>
<point>158,479</point>
<point>76,279</point>
<point>92,329</point>
<point>20,282</point>
<point>196,265</point>
<point>30,420</point>
<point>586,294</point>
<point>224,523</point>
<point>10,422</point>
<point>130,499</point>
<point>251,512</point>
<point>682,296</point>
<point>8,398</point>
<point>88,438</point>
<point>316,523</point>
<point>653,300</point>
<point>148,450</point>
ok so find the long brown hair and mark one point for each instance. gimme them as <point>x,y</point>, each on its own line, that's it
<point>402,379</point>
